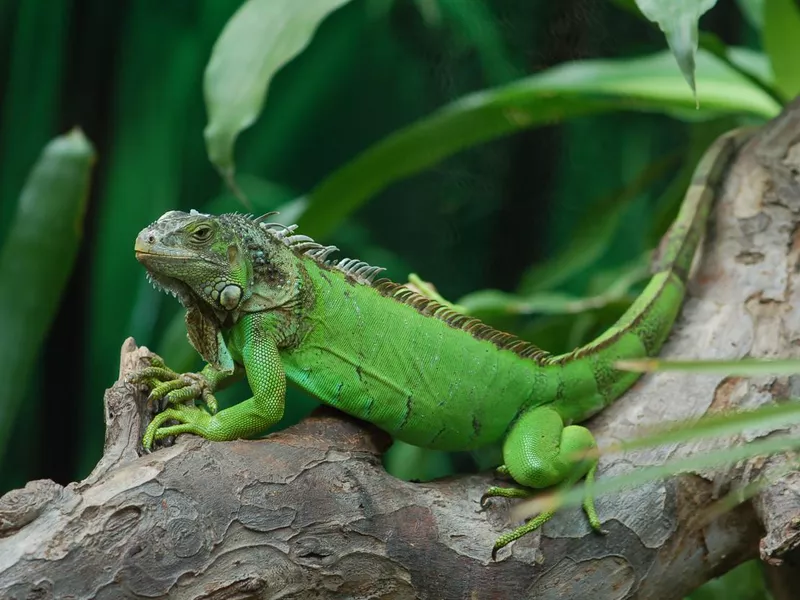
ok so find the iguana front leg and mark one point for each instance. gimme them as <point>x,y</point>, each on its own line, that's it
<point>267,381</point>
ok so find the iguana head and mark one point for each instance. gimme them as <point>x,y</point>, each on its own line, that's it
<point>224,263</point>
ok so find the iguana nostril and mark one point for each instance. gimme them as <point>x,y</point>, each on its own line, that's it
<point>151,238</point>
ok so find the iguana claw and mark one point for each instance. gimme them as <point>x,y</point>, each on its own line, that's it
<point>174,388</point>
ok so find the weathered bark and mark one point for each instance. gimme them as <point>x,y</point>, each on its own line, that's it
<point>310,512</point>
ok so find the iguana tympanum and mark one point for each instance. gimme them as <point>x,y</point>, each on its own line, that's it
<point>267,303</point>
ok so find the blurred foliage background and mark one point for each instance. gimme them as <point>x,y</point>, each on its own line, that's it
<point>522,155</point>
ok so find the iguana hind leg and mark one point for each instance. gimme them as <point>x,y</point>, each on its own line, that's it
<point>540,452</point>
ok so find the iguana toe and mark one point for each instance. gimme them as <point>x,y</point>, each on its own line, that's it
<point>190,420</point>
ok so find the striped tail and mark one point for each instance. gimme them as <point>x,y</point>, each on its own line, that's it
<point>643,328</point>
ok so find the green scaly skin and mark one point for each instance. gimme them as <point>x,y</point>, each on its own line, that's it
<point>262,302</point>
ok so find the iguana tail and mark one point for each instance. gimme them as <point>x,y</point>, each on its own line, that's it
<point>644,327</point>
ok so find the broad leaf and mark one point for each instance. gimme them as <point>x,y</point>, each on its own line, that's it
<point>258,40</point>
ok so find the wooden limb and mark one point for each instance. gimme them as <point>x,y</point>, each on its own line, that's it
<point>311,512</point>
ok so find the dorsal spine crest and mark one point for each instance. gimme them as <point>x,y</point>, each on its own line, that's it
<point>364,273</point>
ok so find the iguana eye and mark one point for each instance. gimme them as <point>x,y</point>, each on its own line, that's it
<point>202,233</point>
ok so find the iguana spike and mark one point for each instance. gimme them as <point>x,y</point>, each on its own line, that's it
<point>296,239</point>
<point>265,215</point>
<point>285,230</point>
<point>306,246</point>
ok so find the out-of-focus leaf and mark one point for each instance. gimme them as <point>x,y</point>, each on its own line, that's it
<point>593,234</point>
<point>754,63</point>
<point>430,11</point>
<point>745,367</point>
<point>678,20</point>
<point>782,43</point>
<point>764,418</point>
<point>31,100</point>
<point>37,259</point>
<point>474,20</point>
<point>745,582</point>
<point>551,303</point>
<point>258,40</point>
<point>648,84</point>
<point>753,11</point>
<point>412,463</point>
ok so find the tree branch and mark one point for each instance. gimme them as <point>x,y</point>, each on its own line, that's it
<point>310,509</point>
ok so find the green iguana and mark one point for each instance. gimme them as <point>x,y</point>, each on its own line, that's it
<point>266,303</point>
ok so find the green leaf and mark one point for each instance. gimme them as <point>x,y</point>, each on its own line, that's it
<point>649,84</point>
<point>553,303</point>
<point>678,20</point>
<point>474,21</point>
<point>745,367</point>
<point>753,63</point>
<point>37,259</point>
<point>260,38</point>
<point>753,11</point>
<point>782,43</point>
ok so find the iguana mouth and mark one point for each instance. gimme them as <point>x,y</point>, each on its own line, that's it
<point>169,255</point>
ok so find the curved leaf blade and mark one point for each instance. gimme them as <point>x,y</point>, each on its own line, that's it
<point>38,255</point>
<point>260,38</point>
<point>649,84</point>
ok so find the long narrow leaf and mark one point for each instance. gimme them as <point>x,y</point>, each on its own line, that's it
<point>745,367</point>
<point>649,84</point>
<point>37,259</point>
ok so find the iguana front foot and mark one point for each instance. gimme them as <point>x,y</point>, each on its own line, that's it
<point>191,419</point>
<point>168,388</point>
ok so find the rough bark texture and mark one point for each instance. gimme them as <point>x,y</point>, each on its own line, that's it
<point>310,512</point>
